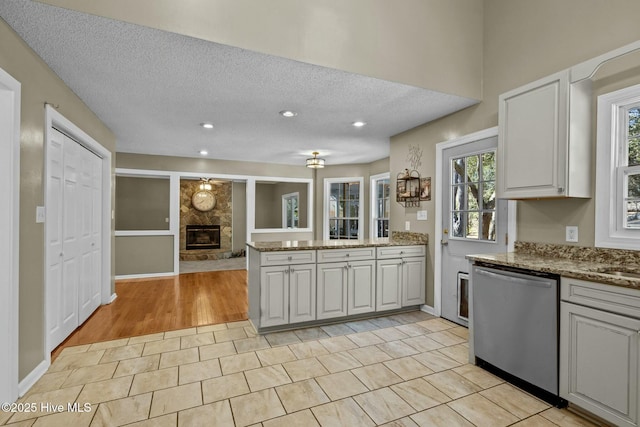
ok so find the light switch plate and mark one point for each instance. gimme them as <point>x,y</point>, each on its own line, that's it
<point>422,215</point>
<point>40,216</point>
<point>572,233</point>
<point>407,225</point>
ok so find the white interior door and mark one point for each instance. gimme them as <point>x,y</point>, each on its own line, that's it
<point>90,234</point>
<point>73,236</point>
<point>9,230</point>
<point>473,220</point>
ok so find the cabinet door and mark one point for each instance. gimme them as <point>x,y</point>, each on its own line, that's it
<point>533,139</point>
<point>388,284</point>
<point>332,290</point>
<point>413,281</point>
<point>274,296</point>
<point>302,293</point>
<point>599,362</point>
<point>361,285</point>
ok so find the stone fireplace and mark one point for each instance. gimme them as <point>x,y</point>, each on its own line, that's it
<point>202,237</point>
<point>211,230</point>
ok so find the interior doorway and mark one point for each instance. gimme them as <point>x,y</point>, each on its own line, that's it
<point>9,229</point>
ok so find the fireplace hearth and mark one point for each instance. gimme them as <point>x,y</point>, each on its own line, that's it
<point>203,237</point>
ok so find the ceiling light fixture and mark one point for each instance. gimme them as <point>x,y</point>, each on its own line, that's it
<point>288,113</point>
<point>203,152</point>
<point>358,124</point>
<point>315,162</point>
<point>207,125</point>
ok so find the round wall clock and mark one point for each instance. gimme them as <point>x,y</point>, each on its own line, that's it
<point>203,200</point>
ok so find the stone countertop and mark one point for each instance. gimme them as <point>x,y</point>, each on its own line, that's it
<point>397,239</point>
<point>591,264</point>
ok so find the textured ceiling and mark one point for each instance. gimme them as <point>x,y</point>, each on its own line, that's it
<point>153,88</point>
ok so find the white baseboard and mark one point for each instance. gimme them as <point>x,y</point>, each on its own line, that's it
<point>428,309</point>
<point>145,276</point>
<point>33,377</point>
<point>113,298</point>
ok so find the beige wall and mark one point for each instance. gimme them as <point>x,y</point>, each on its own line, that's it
<point>269,203</point>
<point>435,44</point>
<point>39,84</point>
<point>239,220</point>
<point>156,259</point>
<point>523,41</point>
<point>142,203</point>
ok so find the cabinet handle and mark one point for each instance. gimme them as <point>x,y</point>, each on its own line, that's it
<point>286,271</point>
<point>292,270</point>
<point>289,258</point>
<point>347,255</point>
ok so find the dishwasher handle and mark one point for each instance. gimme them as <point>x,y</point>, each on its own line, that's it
<point>516,278</point>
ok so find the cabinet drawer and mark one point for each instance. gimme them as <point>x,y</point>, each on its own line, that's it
<point>337,255</point>
<point>616,299</point>
<point>287,257</point>
<point>401,251</point>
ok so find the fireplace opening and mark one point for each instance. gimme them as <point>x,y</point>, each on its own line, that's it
<point>203,237</point>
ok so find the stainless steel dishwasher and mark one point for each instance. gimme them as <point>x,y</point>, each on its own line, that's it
<point>515,327</point>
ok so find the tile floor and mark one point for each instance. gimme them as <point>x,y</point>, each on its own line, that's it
<point>404,370</point>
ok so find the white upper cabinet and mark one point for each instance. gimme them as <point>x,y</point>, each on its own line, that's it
<point>544,143</point>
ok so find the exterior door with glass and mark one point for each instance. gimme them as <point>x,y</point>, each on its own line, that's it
<point>473,220</point>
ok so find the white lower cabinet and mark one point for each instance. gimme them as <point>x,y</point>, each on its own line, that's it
<point>600,350</point>
<point>413,281</point>
<point>389,284</point>
<point>346,288</point>
<point>332,290</point>
<point>361,287</point>
<point>287,294</point>
<point>302,293</point>
<point>274,295</point>
<point>400,283</point>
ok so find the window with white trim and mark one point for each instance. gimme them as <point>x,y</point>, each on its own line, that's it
<point>380,205</point>
<point>618,169</point>
<point>343,216</point>
<point>290,211</point>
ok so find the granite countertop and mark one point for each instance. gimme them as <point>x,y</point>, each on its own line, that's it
<point>397,239</point>
<point>576,262</point>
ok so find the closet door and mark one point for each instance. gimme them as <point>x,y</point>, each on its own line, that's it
<point>89,233</point>
<point>71,243</point>
<point>74,239</point>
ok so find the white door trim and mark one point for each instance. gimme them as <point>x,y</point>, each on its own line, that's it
<point>10,91</point>
<point>511,220</point>
<point>54,119</point>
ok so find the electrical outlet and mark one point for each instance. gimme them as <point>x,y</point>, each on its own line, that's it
<point>407,225</point>
<point>572,233</point>
<point>40,214</point>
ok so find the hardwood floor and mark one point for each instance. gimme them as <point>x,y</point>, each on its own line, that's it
<point>146,306</point>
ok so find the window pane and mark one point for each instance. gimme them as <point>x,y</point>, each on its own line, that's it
<point>457,197</point>
<point>456,224</point>
<point>633,214</point>
<point>489,166</point>
<point>489,226</point>
<point>633,185</point>
<point>633,143</point>
<point>472,197</point>
<point>488,195</point>
<point>457,168</point>
<point>472,168</point>
<point>472,225</point>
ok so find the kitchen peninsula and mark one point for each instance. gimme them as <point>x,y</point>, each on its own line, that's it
<point>294,284</point>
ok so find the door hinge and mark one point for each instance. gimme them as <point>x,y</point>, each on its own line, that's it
<point>506,238</point>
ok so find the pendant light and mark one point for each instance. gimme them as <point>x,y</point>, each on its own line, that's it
<point>315,162</point>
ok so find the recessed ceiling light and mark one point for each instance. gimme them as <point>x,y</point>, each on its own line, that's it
<point>207,125</point>
<point>358,124</point>
<point>288,113</point>
<point>203,152</point>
